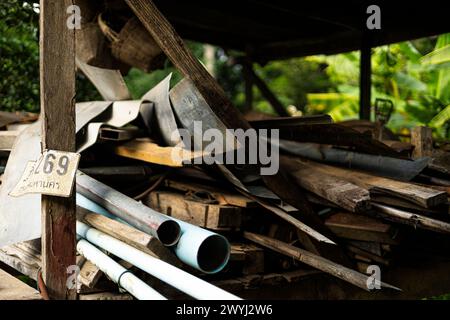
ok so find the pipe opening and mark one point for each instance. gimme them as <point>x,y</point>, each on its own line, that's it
<point>213,254</point>
<point>169,232</point>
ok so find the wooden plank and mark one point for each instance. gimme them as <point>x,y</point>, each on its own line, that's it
<point>12,288</point>
<point>412,219</point>
<point>146,150</point>
<point>421,195</point>
<point>325,265</point>
<point>338,191</point>
<point>358,227</point>
<point>129,235</point>
<point>203,214</point>
<point>57,85</point>
<point>422,140</point>
<point>224,197</point>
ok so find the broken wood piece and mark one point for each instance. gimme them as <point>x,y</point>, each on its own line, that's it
<point>195,210</point>
<point>89,274</point>
<point>412,219</point>
<point>129,235</point>
<point>363,228</point>
<point>358,279</point>
<point>422,140</point>
<point>148,151</point>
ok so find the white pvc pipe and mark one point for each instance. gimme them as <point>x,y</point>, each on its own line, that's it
<point>117,273</point>
<point>171,275</point>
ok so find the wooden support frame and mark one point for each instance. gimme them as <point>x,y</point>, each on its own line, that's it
<point>365,79</point>
<point>265,90</point>
<point>57,79</point>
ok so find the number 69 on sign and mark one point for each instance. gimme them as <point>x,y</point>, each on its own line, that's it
<point>52,174</point>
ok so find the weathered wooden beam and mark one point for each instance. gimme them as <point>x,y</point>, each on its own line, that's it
<point>336,190</point>
<point>57,80</point>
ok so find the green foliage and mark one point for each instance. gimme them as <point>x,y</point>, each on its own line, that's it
<point>19,56</point>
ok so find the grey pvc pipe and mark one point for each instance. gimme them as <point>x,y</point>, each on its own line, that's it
<point>400,169</point>
<point>169,274</point>
<point>135,213</point>
<point>117,273</point>
<point>204,250</point>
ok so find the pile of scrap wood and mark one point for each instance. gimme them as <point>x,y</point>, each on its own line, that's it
<point>340,201</point>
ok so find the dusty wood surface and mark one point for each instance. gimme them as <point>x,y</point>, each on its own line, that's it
<point>12,288</point>
<point>422,140</point>
<point>315,261</point>
<point>338,191</point>
<point>57,79</point>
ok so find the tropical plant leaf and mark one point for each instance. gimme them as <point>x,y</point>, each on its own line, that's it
<point>441,118</point>
<point>438,56</point>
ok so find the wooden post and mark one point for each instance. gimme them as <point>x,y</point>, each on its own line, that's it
<point>248,84</point>
<point>265,90</point>
<point>57,79</point>
<point>422,140</point>
<point>365,83</point>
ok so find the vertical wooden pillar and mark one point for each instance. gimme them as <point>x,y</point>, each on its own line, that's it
<point>365,82</point>
<point>248,84</point>
<point>57,85</point>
